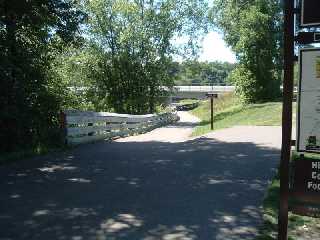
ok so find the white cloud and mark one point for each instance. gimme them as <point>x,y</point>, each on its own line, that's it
<point>214,49</point>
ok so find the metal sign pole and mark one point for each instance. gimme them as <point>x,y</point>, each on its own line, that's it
<point>211,113</point>
<point>212,95</point>
<point>286,117</point>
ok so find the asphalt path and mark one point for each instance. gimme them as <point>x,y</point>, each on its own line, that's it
<point>162,185</point>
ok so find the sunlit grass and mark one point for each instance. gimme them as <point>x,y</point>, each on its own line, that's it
<point>229,112</point>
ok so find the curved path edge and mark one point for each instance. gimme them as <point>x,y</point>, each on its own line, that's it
<point>162,185</point>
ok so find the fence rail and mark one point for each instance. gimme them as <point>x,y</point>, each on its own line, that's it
<point>82,127</point>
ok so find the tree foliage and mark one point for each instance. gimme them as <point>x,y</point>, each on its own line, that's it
<point>102,55</point>
<point>28,94</point>
<point>201,73</point>
<point>78,69</point>
<point>253,30</point>
<point>135,39</point>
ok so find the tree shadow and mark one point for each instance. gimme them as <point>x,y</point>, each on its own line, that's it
<point>199,189</point>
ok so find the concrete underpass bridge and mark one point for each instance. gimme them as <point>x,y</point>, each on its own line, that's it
<point>198,92</point>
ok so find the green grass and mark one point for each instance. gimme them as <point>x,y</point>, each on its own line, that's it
<point>296,223</point>
<point>229,112</point>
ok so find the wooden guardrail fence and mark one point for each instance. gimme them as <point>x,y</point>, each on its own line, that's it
<point>82,127</point>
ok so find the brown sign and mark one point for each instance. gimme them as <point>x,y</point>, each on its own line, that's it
<point>306,185</point>
<point>212,95</point>
<point>310,15</point>
<point>306,188</point>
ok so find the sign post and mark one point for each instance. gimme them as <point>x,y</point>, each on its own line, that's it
<point>212,96</point>
<point>286,118</point>
<point>306,185</point>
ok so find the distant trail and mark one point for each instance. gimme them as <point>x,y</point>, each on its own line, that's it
<point>177,132</point>
<point>161,185</point>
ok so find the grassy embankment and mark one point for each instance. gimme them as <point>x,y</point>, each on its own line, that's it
<point>229,112</point>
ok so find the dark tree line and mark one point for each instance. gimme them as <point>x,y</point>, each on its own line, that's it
<point>29,103</point>
<point>253,29</point>
<point>202,73</point>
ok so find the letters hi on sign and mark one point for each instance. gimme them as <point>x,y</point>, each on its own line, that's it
<point>306,190</point>
<point>310,16</point>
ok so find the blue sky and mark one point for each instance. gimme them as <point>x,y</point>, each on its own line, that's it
<point>215,49</point>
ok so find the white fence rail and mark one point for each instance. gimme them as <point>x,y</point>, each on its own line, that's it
<point>82,127</point>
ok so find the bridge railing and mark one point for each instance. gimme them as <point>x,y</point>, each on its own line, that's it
<point>82,127</point>
<point>204,88</point>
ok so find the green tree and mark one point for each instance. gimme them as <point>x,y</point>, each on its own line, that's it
<point>29,95</point>
<point>136,41</point>
<point>202,73</point>
<point>253,30</point>
<point>78,70</point>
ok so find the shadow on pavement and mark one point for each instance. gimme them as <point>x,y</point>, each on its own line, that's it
<point>200,189</point>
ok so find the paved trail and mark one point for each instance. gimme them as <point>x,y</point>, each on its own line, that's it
<point>161,185</point>
<point>179,132</point>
